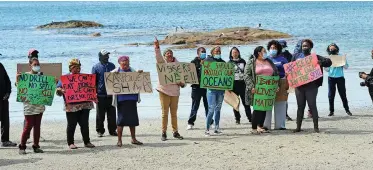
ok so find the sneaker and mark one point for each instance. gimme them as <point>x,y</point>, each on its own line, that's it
<point>207,133</point>
<point>288,118</point>
<point>164,137</point>
<point>38,150</point>
<point>238,122</point>
<point>349,113</point>
<point>22,152</point>
<point>331,114</point>
<point>178,136</point>
<point>316,130</point>
<point>114,134</point>
<point>189,127</point>
<point>89,145</point>
<point>100,135</point>
<point>8,144</point>
<point>217,132</point>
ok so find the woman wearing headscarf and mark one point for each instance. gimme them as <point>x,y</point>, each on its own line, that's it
<point>336,77</point>
<point>214,97</point>
<point>239,83</point>
<point>168,94</point>
<point>76,112</point>
<point>308,92</point>
<point>126,105</point>
<point>275,49</point>
<point>260,64</point>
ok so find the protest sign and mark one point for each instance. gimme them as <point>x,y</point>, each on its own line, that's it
<point>282,94</point>
<point>338,60</point>
<point>303,71</point>
<point>36,89</point>
<point>128,83</point>
<point>79,87</point>
<point>173,73</point>
<point>265,92</point>
<point>49,69</point>
<point>217,75</point>
<point>232,99</point>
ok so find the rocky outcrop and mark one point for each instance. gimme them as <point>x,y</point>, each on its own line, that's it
<point>96,34</point>
<point>70,24</point>
<point>229,36</point>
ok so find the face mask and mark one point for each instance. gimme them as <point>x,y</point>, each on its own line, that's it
<point>104,59</point>
<point>272,52</point>
<point>35,68</point>
<point>235,59</point>
<point>306,51</point>
<point>202,56</point>
<point>217,56</point>
<point>265,56</point>
<point>333,52</point>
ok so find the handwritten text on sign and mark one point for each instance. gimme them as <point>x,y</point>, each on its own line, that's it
<point>173,73</point>
<point>266,88</point>
<point>217,75</point>
<point>128,83</point>
<point>36,89</point>
<point>79,87</point>
<point>303,71</point>
<point>337,60</point>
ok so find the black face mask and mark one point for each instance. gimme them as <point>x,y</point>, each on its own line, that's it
<point>333,52</point>
<point>104,58</point>
<point>306,51</point>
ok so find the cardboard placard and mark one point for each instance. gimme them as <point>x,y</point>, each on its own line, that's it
<point>128,83</point>
<point>36,89</point>
<point>217,75</point>
<point>282,94</point>
<point>232,99</point>
<point>49,69</point>
<point>265,92</point>
<point>79,87</point>
<point>174,73</point>
<point>338,60</point>
<point>303,71</point>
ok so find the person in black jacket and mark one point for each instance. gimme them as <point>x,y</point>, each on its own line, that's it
<point>288,57</point>
<point>5,90</point>
<point>308,92</point>
<point>239,85</point>
<point>197,92</point>
<point>368,80</point>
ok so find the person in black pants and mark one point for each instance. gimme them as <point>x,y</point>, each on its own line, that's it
<point>336,77</point>
<point>239,85</point>
<point>288,57</point>
<point>104,107</point>
<point>197,92</point>
<point>308,92</point>
<point>368,80</point>
<point>5,90</point>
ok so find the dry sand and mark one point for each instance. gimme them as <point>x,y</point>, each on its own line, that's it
<point>344,143</point>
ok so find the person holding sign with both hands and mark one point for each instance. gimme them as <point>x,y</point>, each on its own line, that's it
<point>76,112</point>
<point>308,92</point>
<point>168,94</point>
<point>336,77</point>
<point>260,64</point>
<point>126,105</point>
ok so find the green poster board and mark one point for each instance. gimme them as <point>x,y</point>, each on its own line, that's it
<point>265,92</point>
<point>36,89</point>
<point>217,75</point>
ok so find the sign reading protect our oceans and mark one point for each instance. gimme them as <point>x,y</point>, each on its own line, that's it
<point>36,89</point>
<point>217,75</point>
<point>265,92</point>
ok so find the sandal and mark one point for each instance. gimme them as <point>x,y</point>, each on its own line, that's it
<point>255,132</point>
<point>119,144</point>
<point>136,142</point>
<point>72,146</point>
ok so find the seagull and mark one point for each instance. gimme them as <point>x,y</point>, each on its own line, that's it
<point>222,34</point>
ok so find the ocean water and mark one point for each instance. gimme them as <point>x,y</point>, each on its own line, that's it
<point>349,24</point>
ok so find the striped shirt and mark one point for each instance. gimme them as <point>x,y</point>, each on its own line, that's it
<point>32,109</point>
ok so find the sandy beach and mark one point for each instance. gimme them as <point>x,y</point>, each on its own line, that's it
<point>344,143</point>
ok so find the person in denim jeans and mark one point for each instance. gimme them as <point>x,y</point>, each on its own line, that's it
<point>197,92</point>
<point>214,97</point>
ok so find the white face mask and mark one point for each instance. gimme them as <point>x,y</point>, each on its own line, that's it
<point>36,68</point>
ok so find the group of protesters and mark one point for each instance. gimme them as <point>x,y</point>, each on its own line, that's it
<point>121,110</point>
